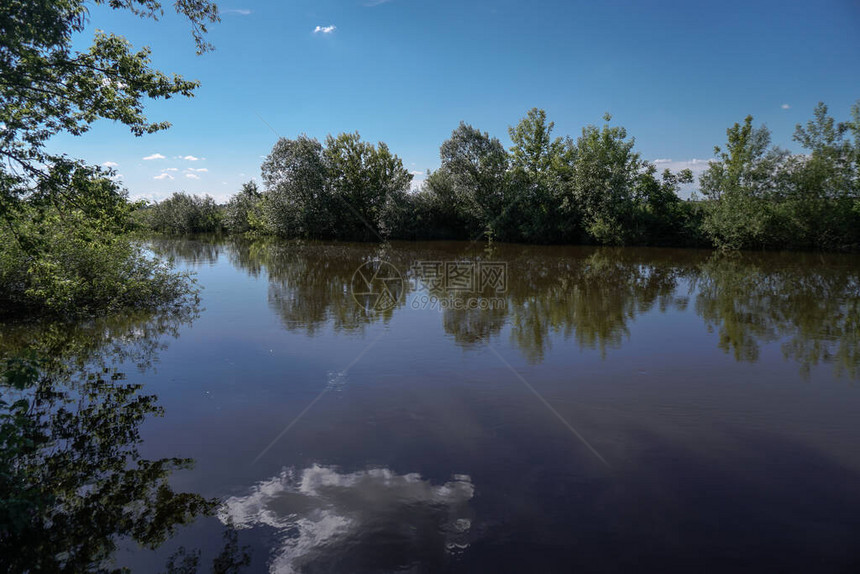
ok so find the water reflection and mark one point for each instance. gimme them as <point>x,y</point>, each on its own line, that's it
<point>366,521</point>
<point>73,479</point>
<point>73,482</point>
<point>808,303</point>
<point>805,301</point>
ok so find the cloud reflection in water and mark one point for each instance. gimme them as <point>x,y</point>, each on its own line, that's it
<point>364,521</point>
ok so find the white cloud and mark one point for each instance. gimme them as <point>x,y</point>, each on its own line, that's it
<point>192,176</point>
<point>322,515</point>
<point>239,11</point>
<point>324,29</point>
<point>785,107</point>
<point>154,156</point>
<point>170,169</point>
<point>199,169</point>
<point>163,176</point>
<point>110,164</point>
<point>190,158</point>
<point>417,172</point>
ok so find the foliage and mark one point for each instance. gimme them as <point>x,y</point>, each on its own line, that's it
<point>474,169</point>
<point>364,180</point>
<point>47,87</point>
<point>63,260</point>
<point>182,214</point>
<point>296,202</point>
<point>242,213</point>
<point>763,197</point>
<point>61,219</point>
<point>540,169</point>
<point>547,189</point>
<point>349,189</point>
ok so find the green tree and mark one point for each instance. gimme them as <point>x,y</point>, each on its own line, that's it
<point>475,168</point>
<point>603,184</point>
<point>661,218</point>
<point>296,203</point>
<point>243,210</point>
<point>822,195</point>
<point>365,183</point>
<point>47,87</point>
<point>182,214</point>
<point>742,187</point>
<point>62,221</point>
<point>540,167</point>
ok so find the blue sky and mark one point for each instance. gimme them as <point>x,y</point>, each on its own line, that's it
<point>675,74</point>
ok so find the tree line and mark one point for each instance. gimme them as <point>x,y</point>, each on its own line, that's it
<point>595,189</point>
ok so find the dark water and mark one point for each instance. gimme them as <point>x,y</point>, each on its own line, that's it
<point>524,409</point>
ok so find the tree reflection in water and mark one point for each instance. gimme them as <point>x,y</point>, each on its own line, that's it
<point>73,485</point>
<point>589,296</point>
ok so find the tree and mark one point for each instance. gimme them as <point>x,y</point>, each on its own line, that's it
<point>363,181</point>
<point>823,189</point>
<point>540,166</point>
<point>603,183</point>
<point>241,213</point>
<point>743,189</point>
<point>477,165</point>
<point>49,201</point>
<point>47,87</point>
<point>660,217</point>
<point>181,214</point>
<point>295,203</point>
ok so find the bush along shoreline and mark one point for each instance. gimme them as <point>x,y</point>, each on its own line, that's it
<point>594,190</point>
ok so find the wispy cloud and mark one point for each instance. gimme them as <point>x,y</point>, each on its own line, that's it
<point>154,156</point>
<point>324,29</point>
<point>238,11</point>
<point>110,164</point>
<point>198,169</point>
<point>785,107</point>
<point>163,176</point>
<point>189,157</point>
<point>192,176</point>
<point>170,169</point>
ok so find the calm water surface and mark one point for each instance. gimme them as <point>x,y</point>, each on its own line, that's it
<point>570,409</point>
